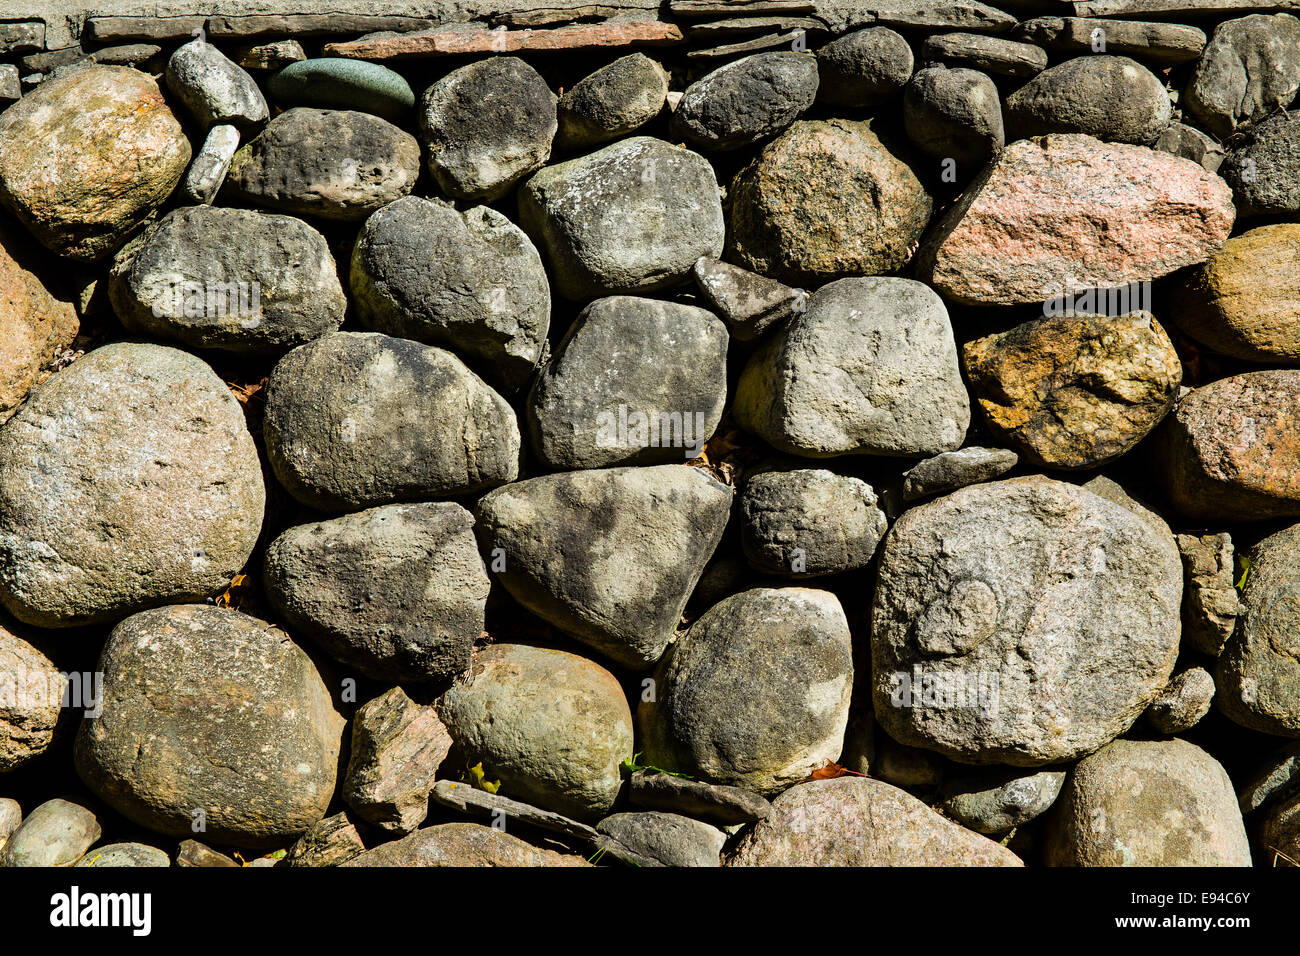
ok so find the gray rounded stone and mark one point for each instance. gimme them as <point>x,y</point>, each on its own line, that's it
<point>213,87</point>
<point>668,839</point>
<point>806,522</point>
<point>1264,170</point>
<point>731,705</point>
<point>616,392</point>
<point>1113,98</point>
<point>631,217</point>
<point>615,100</point>
<point>1183,702</point>
<point>1147,803</point>
<point>56,833</point>
<point>31,701</point>
<point>125,855</point>
<point>950,470</point>
<point>746,100</point>
<point>954,114</point>
<point>343,84</point>
<point>1024,622</point>
<point>1258,673</point>
<point>128,480</point>
<point>870,368</point>
<point>232,279</point>
<point>1250,67</point>
<point>863,69</point>
<point>552,727</point>
<point>999,800</point>
<point>335,164</point>
<point>356,419</point>
<point>467,280</point>
<point>609,556</point>
<point>397,592</point>
<point>207,710</point>
<point>487,125</point>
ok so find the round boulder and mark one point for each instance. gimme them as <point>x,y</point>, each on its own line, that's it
<point>746,100</point>
<point>863,69</point>
<point>954,114</point>
<point>1110,97</point>
<point>615,100</point>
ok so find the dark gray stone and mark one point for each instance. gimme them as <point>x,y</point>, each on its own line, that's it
<point>989,54</point>
<point>713,803</point>
<point>746,101</point>
<point>1190,143</point>
<point>1162,43</point>
<point>1250,67</point>
<point>999,800</point>
<point>951,470</point>
<point>1113,98</point>
<point>864,69</point>
<point>954,114</point>
<point>1264,170</point>
<point>468,799</point>
<point>614,101</point>
<point>667,838</point>
<point>125,855</point>
<point>749,303</point>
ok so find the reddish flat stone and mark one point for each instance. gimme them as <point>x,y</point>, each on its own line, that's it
<point>445,42</point>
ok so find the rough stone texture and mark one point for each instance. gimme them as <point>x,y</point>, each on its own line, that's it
<point>736,707</point>
<point>136,463</point>
<point>869,368</point>
<point>1277,779</point>
<point>1183,702</point>
<point>1024,230</point>
<point>355,419</point>
<point>207,172</point>
<point>1075,391</point>
<point>454,39</point>
<point>333,83</point>
<point>954,114</point>
<point>195,854</point>
<point>1023,622</point>
<point>863,69</point>
<point>1279,831</point>
<point>329,842</point>
<point>56,833</point>
<point>87,156</point>
<point>38,318</point>
<point>1244,299</point>
<point>990,54</point>
<point>631,217</point>
<point>998,800</point>
<point>552,727</point>
<point>1112,98</point>
<point>857,821</point>
<point>31,698</point>
<point>231,279</point>
<point>720,805</point>
<point>213,87</point>
<point>1258,673</point>
<point>470,281</point>
<point>825,199</point>
<point>614,101</point>
<point>397,748</point>
<point>660,365</point>
<point>1229,450</point>
<point>1250,67</point>
<point>746,100</point>
<point>1147,803</point>
<point>468,799</point>
<point>1160,43</point>
<point>807,522</point>
<point>461,844</point>
<point>1264,171</point>
<point>749,303</point>
<point>951,470</point>
<point>207,709</point>
<point>907,767</point>
<point>1190,143</point>
<point>398,592</point>
<point>335,164</point>
<point>609,556</point>
<point>1209,598</point>
<point>487,125</point>
<point>270,56</point>
<point>667,838</point>
<point>125,855</point>
<point>11,814</point>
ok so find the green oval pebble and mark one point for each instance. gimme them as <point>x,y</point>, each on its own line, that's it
<point>335,83</point>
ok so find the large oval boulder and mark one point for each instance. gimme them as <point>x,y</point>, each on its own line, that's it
<point>1109,97</point>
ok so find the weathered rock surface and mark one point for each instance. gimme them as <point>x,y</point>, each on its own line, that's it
<point>1250,67</point>
<point>609,556</point>
<point>632,217</point>
<point>863,69</point>
<point>951,470</point>
<point>666,838</point>
<point>823,200</point>
<point>990,54</point>
<point>398,592</point>
<point>1023,622</point>
<point>1075,391</point>
<point>954,114</point>
<point>999,800</point>
<point>335,164</point>
<point>1210,600</point>
<point>213,87</point>
<point>749,303</point>
<point>355,419</point>
<point>1183,702</point>
<point>1112,98</point>
<point>211,715</point>
<point>87,156</point>
<point>1147,803</point>
<point>31,700</point>
<point>1189,142</point>
<point>734,707</point>
<point>552,727</point>
<point>469,799</point>
<point>634,381</point>
<point>1229,450</point>
<point>857,821</point>
<point>1264,170</point>
<point>207,171</point>
<point>136,463</point>
<point>328,842</point>
<point>461,844</point>
<point>616,100</point>
<point>1161,43</point>
<point>124,855</point>
<point>467,280</point>
<point>231,279</point>
<point>56,833</point>
<point>1024,230</point>
<point>869,368</point>
<point>746,100</point>
<point>720,805</point>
